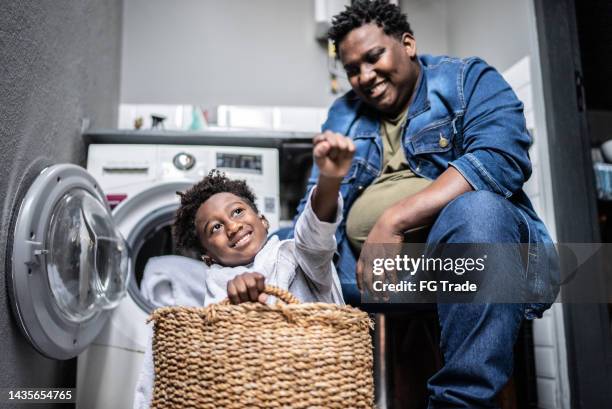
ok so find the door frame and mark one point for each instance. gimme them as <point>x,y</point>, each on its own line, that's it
<point>587,327</point>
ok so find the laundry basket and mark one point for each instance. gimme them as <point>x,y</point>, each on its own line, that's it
<point>251,355</point>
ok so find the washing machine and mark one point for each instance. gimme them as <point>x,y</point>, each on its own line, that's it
<point>141,182</point>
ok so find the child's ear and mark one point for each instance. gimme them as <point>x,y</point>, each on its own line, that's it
<point>207,259</point>
<point>264,221</point>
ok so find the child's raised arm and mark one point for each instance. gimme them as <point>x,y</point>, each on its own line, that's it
<point>333,154</point>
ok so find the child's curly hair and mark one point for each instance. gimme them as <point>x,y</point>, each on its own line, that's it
<point>184,229</point>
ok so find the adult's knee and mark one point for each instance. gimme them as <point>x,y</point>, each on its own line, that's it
<point>478,217</point>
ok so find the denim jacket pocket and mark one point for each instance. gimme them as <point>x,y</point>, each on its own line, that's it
<point>435,138</point>
<point>432,148</point>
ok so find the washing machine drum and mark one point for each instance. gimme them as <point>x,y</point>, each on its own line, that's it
<point>70,264</point>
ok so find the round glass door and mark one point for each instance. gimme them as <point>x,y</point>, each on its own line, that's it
<point>70,264</point>
<point>86,259</point>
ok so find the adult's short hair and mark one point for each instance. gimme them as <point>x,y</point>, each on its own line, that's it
<point>380,12</point>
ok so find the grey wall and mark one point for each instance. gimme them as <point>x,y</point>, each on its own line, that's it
<point>60,63</point>
<point>263,52</point>
<point>496,30</point>
<point>428,19</point>
<point>211,52</point>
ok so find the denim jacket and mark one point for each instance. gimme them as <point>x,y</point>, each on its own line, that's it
<point>464,115</point>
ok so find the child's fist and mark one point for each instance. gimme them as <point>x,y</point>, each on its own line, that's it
<point>333,154</point>
<point>247,287</point>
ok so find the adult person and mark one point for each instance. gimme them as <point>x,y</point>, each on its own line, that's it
<point>441,147</point>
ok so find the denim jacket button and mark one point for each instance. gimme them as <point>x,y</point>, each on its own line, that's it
<point>443,141</point>
<point>360,188</point>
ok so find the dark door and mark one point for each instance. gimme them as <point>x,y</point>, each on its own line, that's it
<point>587,326</point>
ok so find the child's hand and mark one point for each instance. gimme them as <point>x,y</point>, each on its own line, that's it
<point>333,154</point>
<point>247,287</point>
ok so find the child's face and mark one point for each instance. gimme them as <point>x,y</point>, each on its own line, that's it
<point>229,230</point>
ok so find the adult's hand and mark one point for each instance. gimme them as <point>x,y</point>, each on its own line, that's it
<point>383,241</point>
<point>247,287</point>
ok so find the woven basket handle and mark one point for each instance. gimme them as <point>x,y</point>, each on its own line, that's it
<point>279,293</point>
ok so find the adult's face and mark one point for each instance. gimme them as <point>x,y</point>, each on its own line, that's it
<point>381,69</point>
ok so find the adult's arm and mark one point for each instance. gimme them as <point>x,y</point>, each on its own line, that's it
<point>419,209</point>
<point>495,137</point>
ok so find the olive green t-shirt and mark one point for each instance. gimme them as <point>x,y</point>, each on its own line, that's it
<point>395,182</point>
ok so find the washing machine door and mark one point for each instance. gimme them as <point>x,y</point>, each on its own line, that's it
<point>69,262</point>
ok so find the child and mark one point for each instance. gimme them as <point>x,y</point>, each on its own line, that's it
<point>219,219</point>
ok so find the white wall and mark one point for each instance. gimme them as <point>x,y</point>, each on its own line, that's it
<point>212,52</point>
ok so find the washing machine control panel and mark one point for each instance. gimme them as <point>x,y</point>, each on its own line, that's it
<point>124,170</point>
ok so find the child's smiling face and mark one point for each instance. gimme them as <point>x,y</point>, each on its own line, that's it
<point>230,231</point>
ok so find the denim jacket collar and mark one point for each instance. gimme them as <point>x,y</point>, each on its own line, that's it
<point>420,103</point>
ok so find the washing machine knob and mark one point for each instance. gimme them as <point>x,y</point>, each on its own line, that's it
<point>184,161</point>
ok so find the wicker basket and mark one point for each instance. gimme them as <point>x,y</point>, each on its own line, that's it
<point>262,356</point>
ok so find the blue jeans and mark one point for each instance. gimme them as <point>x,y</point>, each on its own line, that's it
<point>477,340</point>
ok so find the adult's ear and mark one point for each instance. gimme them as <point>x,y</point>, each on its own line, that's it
<point>409,43</point>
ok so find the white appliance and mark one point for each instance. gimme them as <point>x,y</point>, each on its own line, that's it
<point>141,181</point>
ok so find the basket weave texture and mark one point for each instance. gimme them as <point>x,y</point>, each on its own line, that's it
<point>252,355</point>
